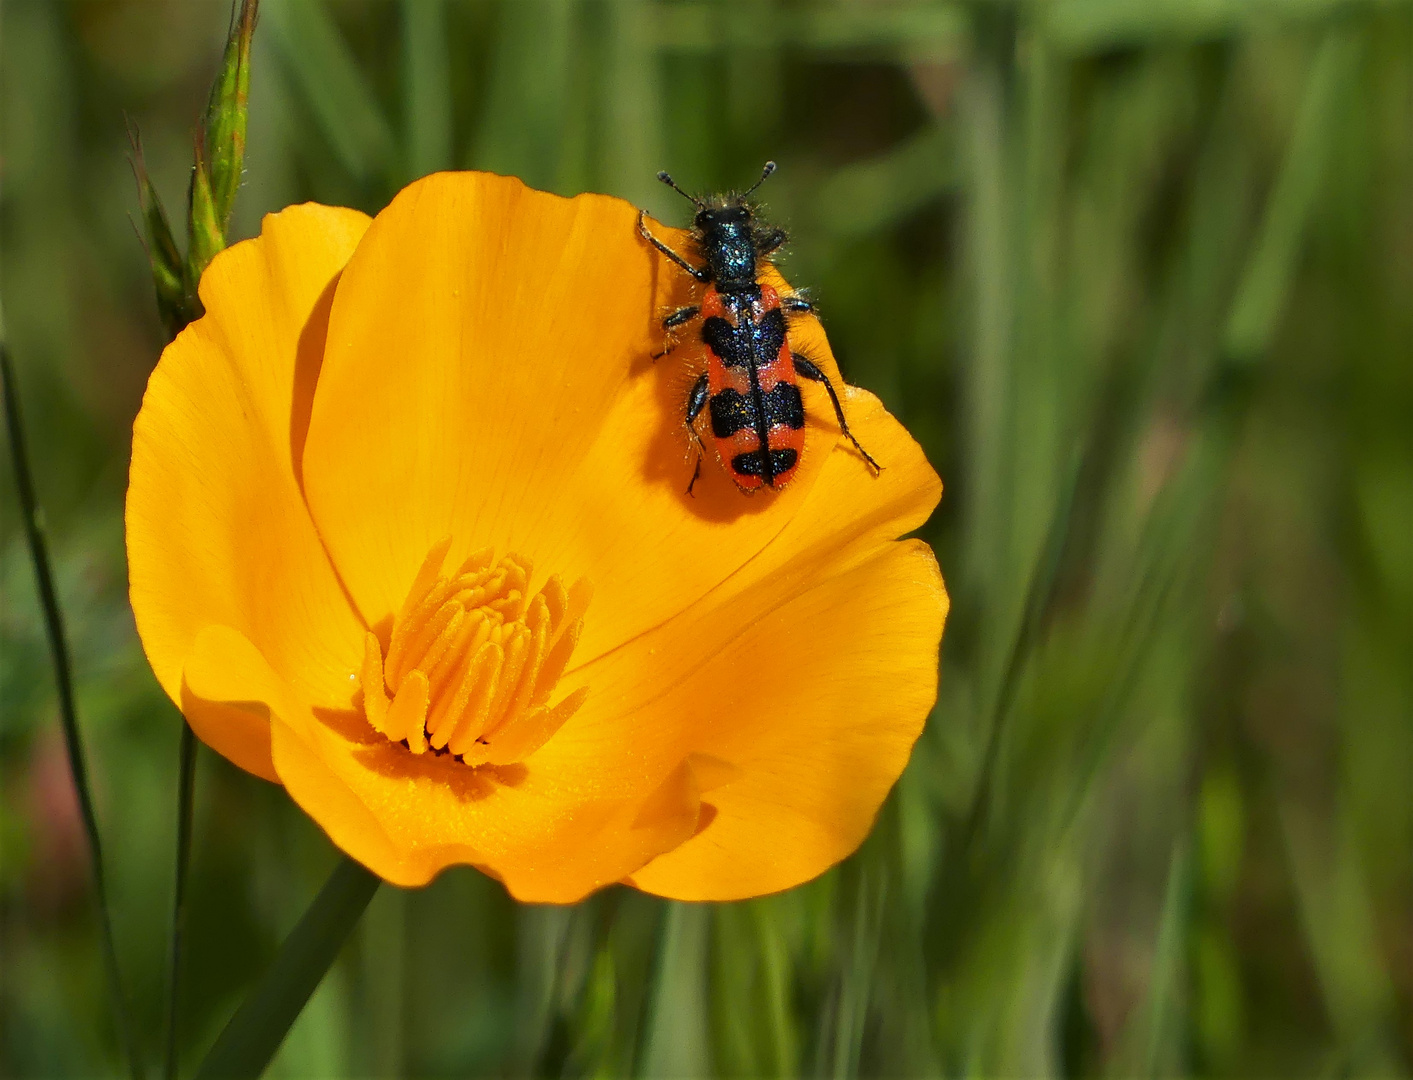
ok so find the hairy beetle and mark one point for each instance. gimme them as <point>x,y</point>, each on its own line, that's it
<point>750,390</point>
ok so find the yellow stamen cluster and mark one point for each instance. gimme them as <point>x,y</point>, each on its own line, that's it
<point>472,660</point>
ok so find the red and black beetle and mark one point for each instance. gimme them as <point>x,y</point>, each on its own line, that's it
<point>750,389</point>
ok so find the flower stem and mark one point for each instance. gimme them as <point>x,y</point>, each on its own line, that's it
<point>68,715</point>
<point>186,789</point>
<point>255,1032</point>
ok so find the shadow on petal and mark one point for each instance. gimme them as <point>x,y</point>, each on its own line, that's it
<point>671,450</point>
<point>394,761</point>
<point>308,360</point>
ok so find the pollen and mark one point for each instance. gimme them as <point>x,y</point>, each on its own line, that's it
<point>473,659</point>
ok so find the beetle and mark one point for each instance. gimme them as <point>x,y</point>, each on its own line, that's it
<point>750,390</point>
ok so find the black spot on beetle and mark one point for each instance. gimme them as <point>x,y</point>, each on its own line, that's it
<point>783,406</point>
<point>731,412</point>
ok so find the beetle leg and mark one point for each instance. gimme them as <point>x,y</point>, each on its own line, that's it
<point>681,317</point>
<point>700,275</point>
<point>771,241</point>
<point>696,402</point>
<point>807,369</point>
<point>796,304</point>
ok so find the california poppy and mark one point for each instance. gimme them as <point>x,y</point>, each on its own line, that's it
<point>408,533</point>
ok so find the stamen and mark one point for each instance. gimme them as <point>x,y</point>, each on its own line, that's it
<point>473,659</point>
<point>473,717</point>
<point>375,698</point>
<point>408,715</point>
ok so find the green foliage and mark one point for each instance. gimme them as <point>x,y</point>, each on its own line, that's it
<point>227,114</point>
<point>255,1032</point>
<point>169,279</point>
<point>1137,277</point>
<point>217,169</point>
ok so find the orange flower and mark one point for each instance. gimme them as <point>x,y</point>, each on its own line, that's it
<point>407,533</point>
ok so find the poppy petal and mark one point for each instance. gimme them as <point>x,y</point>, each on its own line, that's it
<point>850,511</point>
<point>655,694</point>
<point>226,670</point>
<point>217,527</point>
<point>820,735</point>
<point>489,377</point>
<point>406,818</point>
<point>547,838</point>
<point>849,516</point>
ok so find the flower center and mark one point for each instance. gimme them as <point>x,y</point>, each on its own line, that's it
<point>473,658</point>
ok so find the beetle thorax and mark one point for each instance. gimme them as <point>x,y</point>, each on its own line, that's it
<point>728,246</point>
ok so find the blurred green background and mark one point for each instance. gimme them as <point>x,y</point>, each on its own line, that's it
<point>1137,273</point>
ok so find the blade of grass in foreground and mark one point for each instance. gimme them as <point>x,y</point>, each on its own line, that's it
<point>68,713</point>
<point>255,1032</point>
<point>186,794</point>
<point>426,78</point>
<point>678,1042</point>
<point>344,105</point>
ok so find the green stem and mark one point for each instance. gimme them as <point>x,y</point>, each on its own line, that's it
<point>255,1032</point>
<point>68,714</point>
<point>186,790</point>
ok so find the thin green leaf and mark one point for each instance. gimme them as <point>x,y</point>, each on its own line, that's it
<point>871,195</point>
<point>917,28</point>
<point>328,76</point>
<point>1331,886</point>
<point>1266,281</point>
<point>779,1021</point>
<point>529,93</point>
<point>426,86</point>
<point>678,1043</point>
<point>1098,25</point>
<point>856,980</point>
<point>383,947</point>
<point>255,1032</point>
<point>634,127</point>
<point>1162,1017</point>
<point>68,711</point>
<point>186,791</point>
<point>174,302</point>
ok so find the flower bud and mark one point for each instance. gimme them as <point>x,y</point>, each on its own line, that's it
<point>206,231</point>
<point>227,113</point>
<point>215,178</point>
<point>175,302</point>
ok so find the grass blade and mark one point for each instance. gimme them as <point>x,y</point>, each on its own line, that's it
<point>856,979</point>
<point>1165,983</point>
<point>1094,26</point>
<point>68,713</point>
<point>634,114</point>
<point>255,1032</point>
<point>916,27</point>
<point>329,78</point>
<point>426,94</point>
<point>870,196</point>
<point>186,791</point>
<point>678,1042</point>
<point>528,96</point>
<point>1266,281</point>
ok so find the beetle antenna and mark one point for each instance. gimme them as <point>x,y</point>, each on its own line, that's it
<point>764,176</point>
<point>666,179</point>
